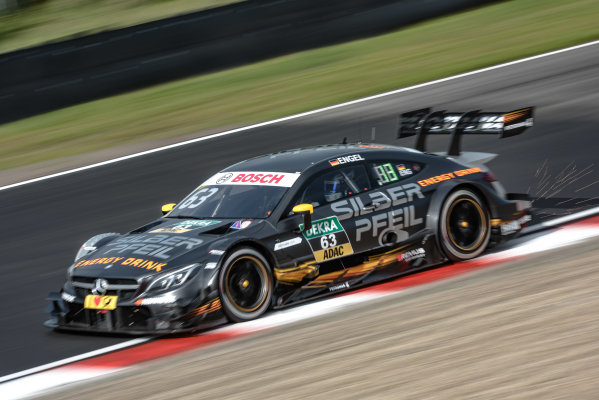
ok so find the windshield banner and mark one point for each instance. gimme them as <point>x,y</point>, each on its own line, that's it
<point>281,179</point>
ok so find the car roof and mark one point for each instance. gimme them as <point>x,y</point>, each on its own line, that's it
<point>298,160</point>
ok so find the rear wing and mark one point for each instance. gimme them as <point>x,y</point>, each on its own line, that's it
<point>426,122</point>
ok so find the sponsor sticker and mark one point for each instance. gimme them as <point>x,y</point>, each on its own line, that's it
<point>241,224</point>
<point>346,159</point>
<point>403,171</point>
<point>217,252</point>
<point>165,299</point>
<point>186,226</point>
<point>341,286</point>
<point>515,225</point>
<point>224,179</point>
<point>132,262</point>
<point>262,178</point>
<point>323,227</point>
<point>288,243</point>
<point>333,252</point>
<point>450,175</point>
<point>150,245</point>
<point>210,265</point>
<point>328,239</point>
<point>94,302</point>
<point>67,297</point>
<point>412,255</point>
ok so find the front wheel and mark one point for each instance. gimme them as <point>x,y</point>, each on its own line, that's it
<point>245,285</point>
<point>464,225</point>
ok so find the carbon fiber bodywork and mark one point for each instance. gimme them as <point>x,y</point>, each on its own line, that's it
<point>376,231</point>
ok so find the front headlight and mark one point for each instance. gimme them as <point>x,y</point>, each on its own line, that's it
<point>172,279</point>
<point>70,272</point>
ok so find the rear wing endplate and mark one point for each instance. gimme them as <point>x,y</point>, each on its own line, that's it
<point>426,122</point>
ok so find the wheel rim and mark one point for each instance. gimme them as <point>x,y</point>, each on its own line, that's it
<point>466,224</point>
<point>246,284</point>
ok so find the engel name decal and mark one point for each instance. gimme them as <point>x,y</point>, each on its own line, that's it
<point>282,179</point>
<point>346,159</point>
<point>450,175</point>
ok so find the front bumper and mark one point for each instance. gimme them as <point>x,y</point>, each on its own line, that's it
<point>133,319</point>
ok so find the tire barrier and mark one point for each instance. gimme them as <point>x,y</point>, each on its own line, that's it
<point>56,75</point>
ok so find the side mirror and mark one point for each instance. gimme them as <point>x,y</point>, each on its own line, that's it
<point>306,210</point>
<point>167,208</point>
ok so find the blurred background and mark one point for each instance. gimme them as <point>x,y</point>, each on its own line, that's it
<point>82,75</point>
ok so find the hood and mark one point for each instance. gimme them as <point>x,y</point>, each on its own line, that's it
<point>159,246</point>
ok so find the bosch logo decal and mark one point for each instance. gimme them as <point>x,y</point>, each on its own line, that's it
<point>224,178</point>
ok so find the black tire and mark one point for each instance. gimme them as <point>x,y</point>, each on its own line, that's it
<point>464,225</point>
<point>245,285</point>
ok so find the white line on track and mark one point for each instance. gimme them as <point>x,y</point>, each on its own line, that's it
<point>73,359</point>
<point>320,110</point>
<point>560,221</point>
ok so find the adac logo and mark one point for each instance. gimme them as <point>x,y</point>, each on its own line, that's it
<point>224,178</point>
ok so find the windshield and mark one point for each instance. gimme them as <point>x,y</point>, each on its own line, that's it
<point>229,201</point>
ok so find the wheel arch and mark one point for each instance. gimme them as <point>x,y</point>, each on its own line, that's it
<point>232,311</point>
<point>259,247</point>
<point>432,221</point>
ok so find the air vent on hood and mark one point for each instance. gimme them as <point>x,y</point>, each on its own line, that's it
<point>219,230</point>
<point>147,227</point>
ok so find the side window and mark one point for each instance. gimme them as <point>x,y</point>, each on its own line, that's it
<point>386,172</point>
<point>334,185</point>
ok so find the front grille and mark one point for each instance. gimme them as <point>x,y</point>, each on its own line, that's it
<point>122,318</point>
<point>125,289</point>
<point>111,281</point>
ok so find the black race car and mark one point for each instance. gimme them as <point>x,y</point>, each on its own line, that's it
<point>286,227</point>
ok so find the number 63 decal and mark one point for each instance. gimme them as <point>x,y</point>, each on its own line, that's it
<point>195,200</point>
<point>327,241</point>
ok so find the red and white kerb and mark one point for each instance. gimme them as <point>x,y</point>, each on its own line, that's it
<point>281,179</point>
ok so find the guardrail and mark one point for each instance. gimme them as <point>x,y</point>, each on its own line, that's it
<point>57,75</point>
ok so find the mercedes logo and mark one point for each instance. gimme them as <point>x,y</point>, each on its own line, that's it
<point>224,178</point>
<point>100,287</point>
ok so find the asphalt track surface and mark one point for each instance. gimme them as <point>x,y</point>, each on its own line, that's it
<point>44,223</point>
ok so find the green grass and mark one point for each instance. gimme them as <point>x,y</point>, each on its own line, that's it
<point>52,20</point>
<point>307,80</point>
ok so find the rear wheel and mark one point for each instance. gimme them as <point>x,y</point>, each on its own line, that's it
<point>464,225</point>
<point>245,285</point>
